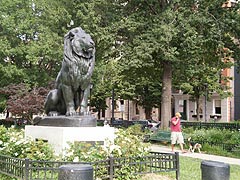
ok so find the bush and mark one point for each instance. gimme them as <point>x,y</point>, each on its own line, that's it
<point>13,143</point>
<point>127,144</point>
<point>216,136</point>
<point>215,139</point>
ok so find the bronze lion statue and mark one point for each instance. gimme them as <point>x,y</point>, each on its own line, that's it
<point>72,86</point>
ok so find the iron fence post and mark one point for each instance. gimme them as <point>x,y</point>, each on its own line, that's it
<point>26,173</point>
<point>177,166</point>
<point>110,171</point>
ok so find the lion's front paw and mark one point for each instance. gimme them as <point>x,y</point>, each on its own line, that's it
<point>84,111</point>
<point>71,112</point>
<point>68,113</point>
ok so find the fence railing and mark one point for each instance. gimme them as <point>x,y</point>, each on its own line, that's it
<point>203,125</point>
<point>26,169</point>
<point>232,148</point>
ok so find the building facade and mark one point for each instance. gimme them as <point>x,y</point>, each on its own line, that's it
<point>215,109</point>
<point>127,110</point>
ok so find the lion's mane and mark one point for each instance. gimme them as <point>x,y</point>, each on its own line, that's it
<point>79,64</point>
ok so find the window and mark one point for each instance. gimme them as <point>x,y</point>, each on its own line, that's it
<point>217,106</point>
<point>121,105</point>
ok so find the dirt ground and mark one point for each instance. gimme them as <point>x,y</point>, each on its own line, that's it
<point>155,177</point>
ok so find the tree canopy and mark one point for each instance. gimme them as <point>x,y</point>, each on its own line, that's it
<point>182,40</point>
<point>144,49</point>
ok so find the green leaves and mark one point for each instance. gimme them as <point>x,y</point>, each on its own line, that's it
<point>11,73</point>
<point>133,40</point>
<point>30,39</point>
<point>13,143</point>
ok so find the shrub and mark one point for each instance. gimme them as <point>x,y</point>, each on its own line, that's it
<point>214,135</point>
<point>235,138</point>
<point>13,143</point>
<point>215,139</point>
<point>126,144</point>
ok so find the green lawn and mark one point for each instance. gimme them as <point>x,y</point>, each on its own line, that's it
<point>190,169</point>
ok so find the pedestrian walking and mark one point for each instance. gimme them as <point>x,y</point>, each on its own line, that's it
<point>176,132</point>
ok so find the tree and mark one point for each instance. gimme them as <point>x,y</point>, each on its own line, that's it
<point>148,30</point>
<point>209,53</point>
<point>162,36</point>
<point>23,101</point>
<point>31,40</point>
<point>152,42</point>
<point>140,84</point>
<point>102,86</point>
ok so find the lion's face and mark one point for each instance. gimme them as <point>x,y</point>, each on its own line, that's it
<point>82,44</point>
<point>79,53</point>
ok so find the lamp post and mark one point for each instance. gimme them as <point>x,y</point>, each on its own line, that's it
<point>128,110</point>
<point>205,101</point>
<point>112,105</point>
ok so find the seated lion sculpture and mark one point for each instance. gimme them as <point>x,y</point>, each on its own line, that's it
<point>72,85</point>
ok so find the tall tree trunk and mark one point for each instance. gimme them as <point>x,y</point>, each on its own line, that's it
<point>148,112</point>
<point>99,113</point>
<point>166,95</point>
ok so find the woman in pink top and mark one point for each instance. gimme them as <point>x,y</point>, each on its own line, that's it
<point>176,132</point>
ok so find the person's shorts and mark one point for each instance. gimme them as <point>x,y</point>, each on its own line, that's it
<point>177,137</point>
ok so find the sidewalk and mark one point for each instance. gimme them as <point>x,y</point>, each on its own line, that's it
<point>160,148</point>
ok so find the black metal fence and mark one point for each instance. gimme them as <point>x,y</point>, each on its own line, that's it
<point>198,125</point>
<point>232,148</point>
<point>110,168</point>
<point>203,125</point>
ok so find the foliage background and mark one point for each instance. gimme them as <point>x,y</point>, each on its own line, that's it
<point>137,42</point>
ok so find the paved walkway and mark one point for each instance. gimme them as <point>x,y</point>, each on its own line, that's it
<point>160,148</point>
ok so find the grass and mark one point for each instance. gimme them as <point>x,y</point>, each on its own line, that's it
<point>155,177</point>
<point>190,169</point>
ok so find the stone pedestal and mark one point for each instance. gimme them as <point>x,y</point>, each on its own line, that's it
<point>59,137</point>
<point>68,121</point>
